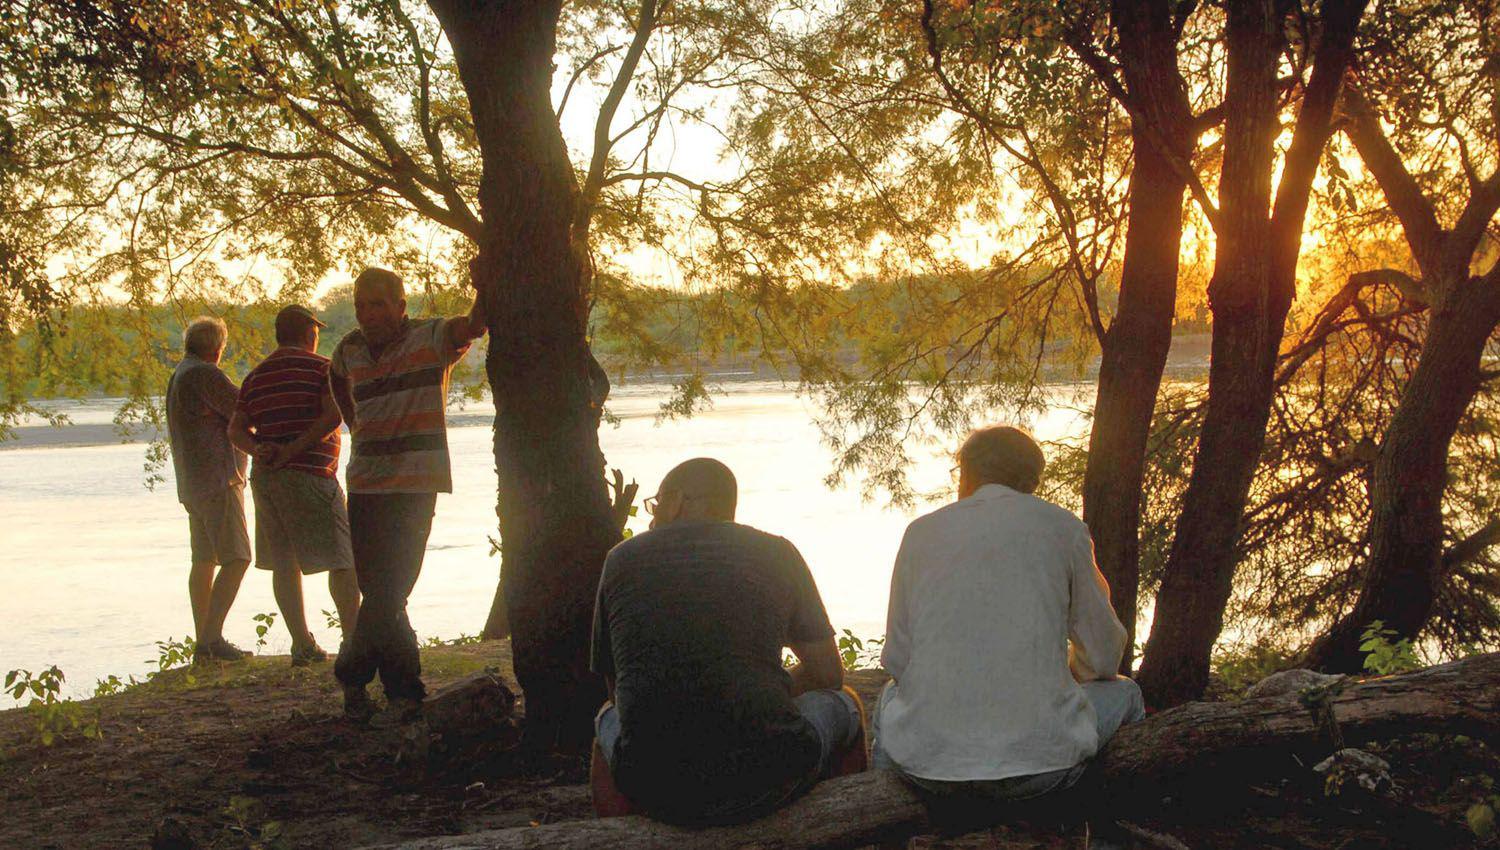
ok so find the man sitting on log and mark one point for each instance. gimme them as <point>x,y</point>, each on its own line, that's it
<point>987,699</point>
<point>705,725</point>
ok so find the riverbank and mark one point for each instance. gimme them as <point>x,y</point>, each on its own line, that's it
<point>256,755</point>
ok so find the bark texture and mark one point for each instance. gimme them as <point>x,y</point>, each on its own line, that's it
<point>1226,743</point>
<point>555,519</point>
<point>1249,294</point>
<point>475,703</point>
<point>1134,350</point>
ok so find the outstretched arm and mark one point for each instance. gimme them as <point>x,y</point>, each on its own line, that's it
<point>464,329</point>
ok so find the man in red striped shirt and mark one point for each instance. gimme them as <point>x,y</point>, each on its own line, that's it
<point>287,420</point>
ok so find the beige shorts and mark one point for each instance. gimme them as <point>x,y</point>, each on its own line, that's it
<point>301,522</point>
<point>216,528</point>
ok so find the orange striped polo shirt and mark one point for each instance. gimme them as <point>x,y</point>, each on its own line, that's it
<point>399,443</point>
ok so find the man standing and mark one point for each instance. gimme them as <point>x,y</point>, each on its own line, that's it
<point>705,724</point>
<point>1001,642</point>
<point>390,377</point>
<point>287,419</point>
<point>210,483</point>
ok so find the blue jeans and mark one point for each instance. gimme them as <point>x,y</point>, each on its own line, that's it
<point>832,714</point>
<point>1116,702</point>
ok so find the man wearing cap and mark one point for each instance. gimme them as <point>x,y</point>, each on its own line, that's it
<point>286,418</point>
<point>390,377</point>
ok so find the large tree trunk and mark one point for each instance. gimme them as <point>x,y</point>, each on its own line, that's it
<point>1217,745</point>
<point>1250,293</point>
<point>1411,472</point>
<point>1135,347</point>
<point>555,519</point>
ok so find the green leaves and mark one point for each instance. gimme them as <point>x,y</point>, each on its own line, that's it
<point>857,653</point>
<point>174,654</point>
<point>1387,655</point>
<point>52,715</point>
<point>264,622</point>
<point>1481,817</point>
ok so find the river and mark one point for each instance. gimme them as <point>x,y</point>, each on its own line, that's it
<point>93,564</point>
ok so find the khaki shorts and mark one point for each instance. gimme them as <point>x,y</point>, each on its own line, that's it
<point>216,525</point>
<point>301,522</point>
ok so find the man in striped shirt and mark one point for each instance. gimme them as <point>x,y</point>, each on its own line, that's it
<point>287,420</point>
<point>390,377</point>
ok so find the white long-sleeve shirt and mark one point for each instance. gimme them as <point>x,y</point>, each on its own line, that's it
<point>986,595</point>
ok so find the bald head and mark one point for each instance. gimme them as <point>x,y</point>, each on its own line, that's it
<point>697,489</point>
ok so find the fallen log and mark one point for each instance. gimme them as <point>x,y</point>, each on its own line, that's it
<point>1232,742</point>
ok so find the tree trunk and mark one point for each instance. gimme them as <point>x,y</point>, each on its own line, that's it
<point>1134,350</point>
<point>1411,472</point>
<point>1216,745</point>
<point>1250,293</point>
<point>555,519</point>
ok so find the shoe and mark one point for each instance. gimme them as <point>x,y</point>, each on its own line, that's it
<point>219,650</point>
<point>357,705</point>
<point>308,654</point>
<point>397,712</point>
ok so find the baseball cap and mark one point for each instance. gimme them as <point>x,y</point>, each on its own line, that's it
<point>294,319</point>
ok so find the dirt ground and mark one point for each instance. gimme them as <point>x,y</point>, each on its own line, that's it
<point>256,755</point>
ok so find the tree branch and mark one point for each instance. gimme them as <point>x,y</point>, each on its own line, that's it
<point>644,26</point>
<point>431,136</point>
<point>1326,323</point>
<point>1082,45</point>
<point>1415,212</point>
<point>1471,547</point>
<point>579,71</point>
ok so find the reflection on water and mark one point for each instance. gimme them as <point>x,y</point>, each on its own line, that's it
<point>93,566</point>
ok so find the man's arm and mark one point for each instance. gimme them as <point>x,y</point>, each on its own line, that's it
<point>809,634</point>
<point>818,667</point>
<point>895,653</point>
<point>343,397</point>
<point>464,329</point>
<point>1097,637</point>
<point>242,437</point>
<point>327,422</point>
<point>219,394</point>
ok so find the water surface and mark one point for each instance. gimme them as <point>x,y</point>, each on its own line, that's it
<point>93,565</point>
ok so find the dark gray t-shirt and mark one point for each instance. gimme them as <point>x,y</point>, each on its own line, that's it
<point>691,619</point>
<point>200,402</point>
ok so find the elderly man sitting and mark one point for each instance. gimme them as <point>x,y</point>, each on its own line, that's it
<point>706,725</point>
<point>1000,641</point>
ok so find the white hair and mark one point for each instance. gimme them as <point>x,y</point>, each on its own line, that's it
<point>204,335</point>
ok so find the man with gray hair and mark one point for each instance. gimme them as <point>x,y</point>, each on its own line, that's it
<point>210,483</point>
<point>1000,641</point>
